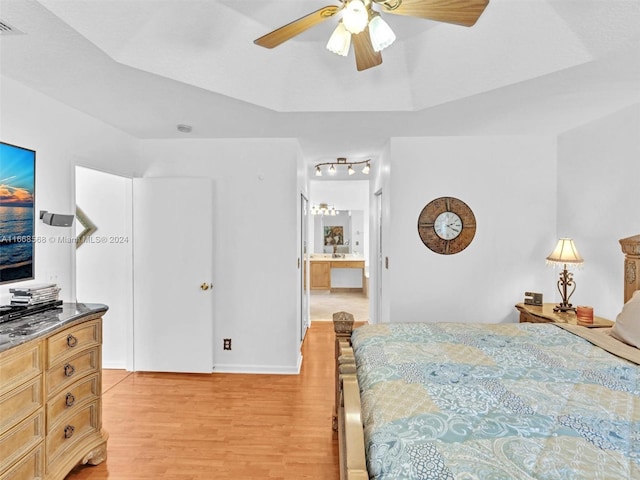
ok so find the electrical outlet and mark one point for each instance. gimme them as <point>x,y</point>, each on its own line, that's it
<point>226,344</point>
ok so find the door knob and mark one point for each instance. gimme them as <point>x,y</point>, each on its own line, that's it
<point>206,286</point>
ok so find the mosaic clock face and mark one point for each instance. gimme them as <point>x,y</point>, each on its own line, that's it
<point>446,225</point>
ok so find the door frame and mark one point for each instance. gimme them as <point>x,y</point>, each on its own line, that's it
<point>305,315</point>
<point>379,263</point>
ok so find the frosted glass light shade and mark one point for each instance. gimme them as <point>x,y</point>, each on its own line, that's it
<point>381,34</point>
<point>340,40</point>
<point>355,17</point>
<point>565,252</point>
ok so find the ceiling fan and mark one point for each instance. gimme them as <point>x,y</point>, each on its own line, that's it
<point>370,33</point>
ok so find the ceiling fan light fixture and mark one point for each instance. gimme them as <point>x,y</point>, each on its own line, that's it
<point>355,16</point>
<point>381,34</point>
<point>340,40</point>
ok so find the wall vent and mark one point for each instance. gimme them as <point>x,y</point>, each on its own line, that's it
<point>7,29</point>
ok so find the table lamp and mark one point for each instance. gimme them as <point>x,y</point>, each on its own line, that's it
<point>565,253</point>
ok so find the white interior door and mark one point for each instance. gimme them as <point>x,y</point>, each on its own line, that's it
<point>379,260</point>
<point>304,277</point>
<point>104,202</point>
<point>173,299</point>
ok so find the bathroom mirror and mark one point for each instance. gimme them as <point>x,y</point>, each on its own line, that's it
<point>341,233</point>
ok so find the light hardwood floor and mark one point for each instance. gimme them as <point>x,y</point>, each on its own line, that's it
<point>222,426</point>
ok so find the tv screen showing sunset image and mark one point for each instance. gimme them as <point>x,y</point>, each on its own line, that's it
<point>17,192</point>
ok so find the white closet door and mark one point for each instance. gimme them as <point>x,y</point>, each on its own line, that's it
<point>173,298</point>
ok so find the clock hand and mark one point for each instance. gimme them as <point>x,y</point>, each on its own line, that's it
<point>454,229</point>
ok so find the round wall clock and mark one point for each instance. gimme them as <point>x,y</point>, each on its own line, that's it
<point>446,225</point>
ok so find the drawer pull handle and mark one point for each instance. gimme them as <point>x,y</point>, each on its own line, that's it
<point>71,341</point>
<point>68,431</point>
<point>69,370</point>
<point>69,400</point>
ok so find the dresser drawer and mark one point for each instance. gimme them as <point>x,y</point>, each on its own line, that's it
<point>20,364</point>
<point>68,400</point>
<point>20,402</point>
<point>72,369</point>
<point>20,439</point>
<point>71,340</point>
<point>65,435</point>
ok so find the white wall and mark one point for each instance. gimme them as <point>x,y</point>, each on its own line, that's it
<point>256,231</point>
<point>599,203</point>
<point>62,137</point>
<point>104,262</point>
<point>360,234</point>
<point>510,184</point>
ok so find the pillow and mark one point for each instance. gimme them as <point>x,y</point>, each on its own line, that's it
<point>627,327</point>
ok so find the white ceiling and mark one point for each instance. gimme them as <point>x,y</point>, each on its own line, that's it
<point>143,66</point>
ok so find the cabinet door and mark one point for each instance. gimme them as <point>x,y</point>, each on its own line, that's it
<point>320,275</point>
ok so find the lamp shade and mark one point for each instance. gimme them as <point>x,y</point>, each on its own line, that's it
<point>565,252</point>
<point>381,34</point>
<point>340,40</point>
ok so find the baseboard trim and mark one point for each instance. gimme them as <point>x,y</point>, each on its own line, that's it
<point>114,366</point>
<point>260,369</point>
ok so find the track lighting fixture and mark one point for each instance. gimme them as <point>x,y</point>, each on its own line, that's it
<point>343,161</point>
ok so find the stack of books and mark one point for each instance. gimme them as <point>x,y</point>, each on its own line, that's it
<point>35,294</point>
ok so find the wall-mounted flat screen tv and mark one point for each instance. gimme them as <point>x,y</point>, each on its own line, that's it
<point>17,218</point>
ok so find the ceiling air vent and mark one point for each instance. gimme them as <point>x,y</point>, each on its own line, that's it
<point>7,29</point>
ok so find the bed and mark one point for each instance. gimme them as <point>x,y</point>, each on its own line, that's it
<point>478,401</point>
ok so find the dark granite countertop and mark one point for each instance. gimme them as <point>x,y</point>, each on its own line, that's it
<point>22,330</point>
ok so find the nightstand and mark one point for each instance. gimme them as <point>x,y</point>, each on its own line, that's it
<point>545,314</point>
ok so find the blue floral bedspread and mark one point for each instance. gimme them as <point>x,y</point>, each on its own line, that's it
<point>506,401</point>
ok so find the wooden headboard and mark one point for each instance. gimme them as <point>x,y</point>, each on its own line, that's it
<point>631,249</point>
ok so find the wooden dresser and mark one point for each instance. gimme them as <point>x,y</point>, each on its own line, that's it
<point>50,393</point>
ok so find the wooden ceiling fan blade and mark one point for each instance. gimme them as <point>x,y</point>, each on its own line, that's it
<point>459,12</point>
<point>366,56</point>
<point>290,30</point>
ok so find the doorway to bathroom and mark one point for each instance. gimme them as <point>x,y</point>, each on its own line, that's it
<point>339,248</point>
